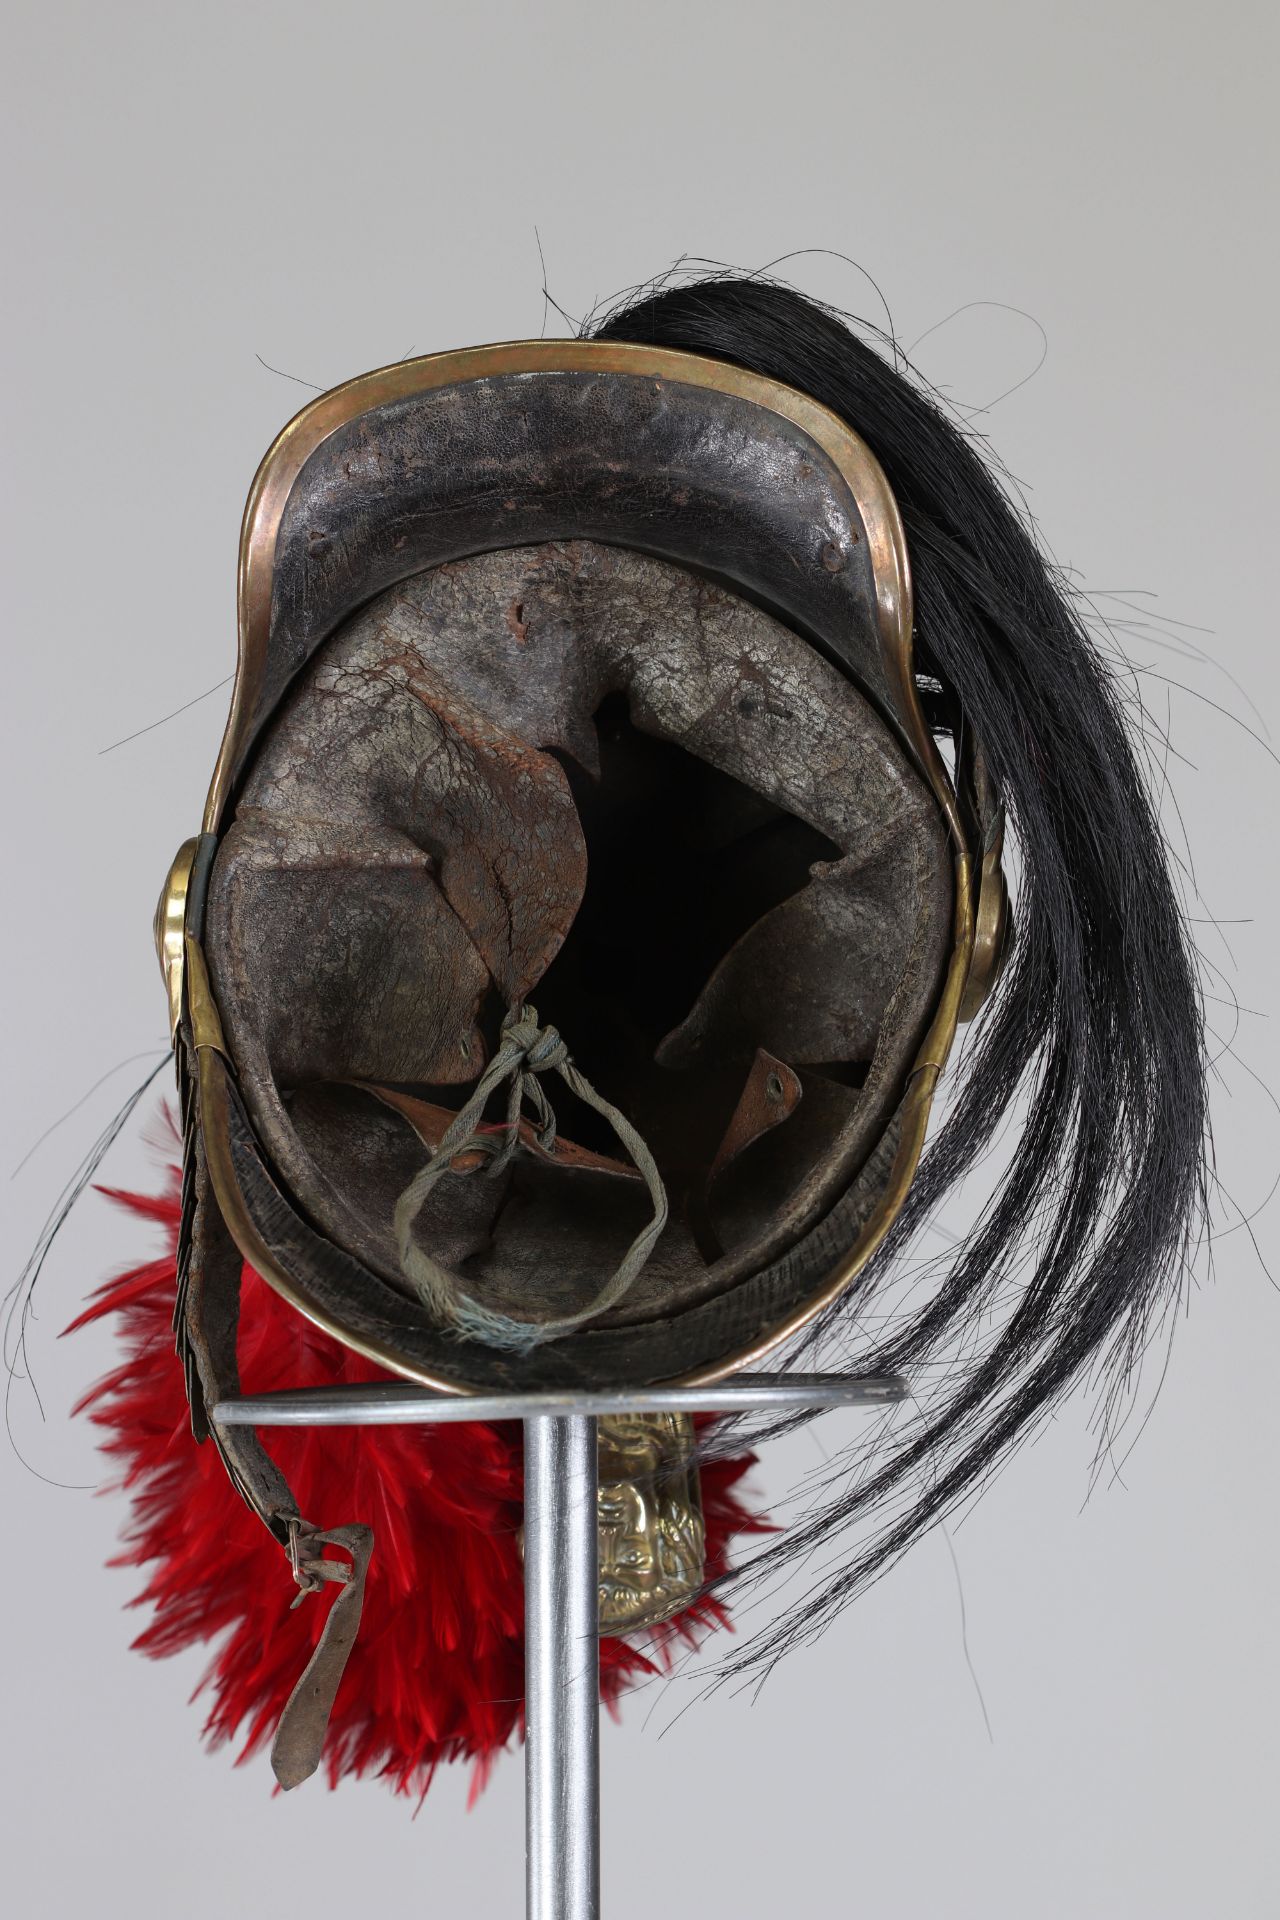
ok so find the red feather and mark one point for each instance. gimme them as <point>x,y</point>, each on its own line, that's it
<point>437,1672</point>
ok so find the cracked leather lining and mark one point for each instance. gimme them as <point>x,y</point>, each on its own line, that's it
<point>441,819</point>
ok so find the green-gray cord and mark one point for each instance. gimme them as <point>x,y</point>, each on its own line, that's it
<point>526,1050</point>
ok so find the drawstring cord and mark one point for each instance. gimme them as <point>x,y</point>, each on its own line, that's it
<point>526,1050</point>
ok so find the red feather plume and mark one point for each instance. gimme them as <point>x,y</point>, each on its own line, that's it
<point>437,1672</point>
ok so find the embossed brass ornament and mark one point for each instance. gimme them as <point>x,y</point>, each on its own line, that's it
<point>652,1535</point>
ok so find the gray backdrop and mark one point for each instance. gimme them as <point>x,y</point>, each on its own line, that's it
<point>329,188</point>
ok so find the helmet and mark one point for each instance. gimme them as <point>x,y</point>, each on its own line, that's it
<point>575,743</point>
<point>605,846</point>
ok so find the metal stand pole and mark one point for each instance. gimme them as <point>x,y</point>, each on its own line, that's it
<point>562,1669</point>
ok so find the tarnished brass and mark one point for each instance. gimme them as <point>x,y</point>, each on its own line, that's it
<point>170,925</point>
<point>206,1027</point>
<point>991,913</point>
<point>990,931</point>
<point>652,1535</point>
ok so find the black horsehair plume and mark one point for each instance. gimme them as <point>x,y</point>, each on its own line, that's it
<point>1096,1028</point>
<point>17,1308</point>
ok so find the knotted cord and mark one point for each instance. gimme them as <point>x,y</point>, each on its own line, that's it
<point>526,1050</point>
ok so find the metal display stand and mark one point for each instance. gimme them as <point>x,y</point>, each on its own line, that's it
<point>562,1653</point>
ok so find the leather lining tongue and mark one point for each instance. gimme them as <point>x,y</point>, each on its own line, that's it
<point>300,1736</point>
<point>431,1122</point>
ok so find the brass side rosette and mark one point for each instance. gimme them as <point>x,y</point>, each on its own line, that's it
<point>170,928</point>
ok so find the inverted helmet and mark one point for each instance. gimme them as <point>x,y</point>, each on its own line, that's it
<point>584,911</point>
<point>604,849</point>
